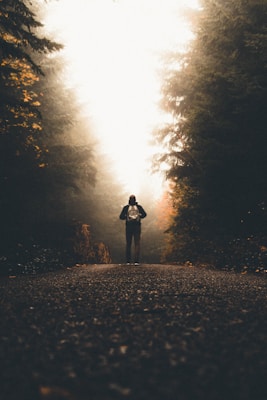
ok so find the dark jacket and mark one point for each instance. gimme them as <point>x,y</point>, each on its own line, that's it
<point>123,214</point>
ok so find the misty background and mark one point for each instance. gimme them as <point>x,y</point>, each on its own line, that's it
<point>97,94</point>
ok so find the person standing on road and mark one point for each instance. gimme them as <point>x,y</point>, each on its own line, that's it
<point>132,213</point>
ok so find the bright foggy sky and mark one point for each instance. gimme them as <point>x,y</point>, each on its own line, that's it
<point>112,53</point>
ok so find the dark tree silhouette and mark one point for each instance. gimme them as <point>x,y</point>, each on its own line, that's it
<point>20,118</point>
<point>216,146</point>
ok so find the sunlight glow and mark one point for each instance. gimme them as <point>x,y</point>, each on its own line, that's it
<point>112,49</point>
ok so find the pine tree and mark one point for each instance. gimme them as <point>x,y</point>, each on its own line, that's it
<point>216,146</point>
<point>18,70</point>
<point>20,118</point>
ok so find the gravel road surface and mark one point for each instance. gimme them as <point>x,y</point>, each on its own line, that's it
<point>110,332</point>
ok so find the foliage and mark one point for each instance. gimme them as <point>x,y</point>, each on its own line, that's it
<point>20,117</point>
<point>216,145</point>
<point>19,108</point>
<point>87,251</point>
<point>44,162</point>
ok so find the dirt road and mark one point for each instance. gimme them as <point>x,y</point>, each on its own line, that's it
<point>139,333</point>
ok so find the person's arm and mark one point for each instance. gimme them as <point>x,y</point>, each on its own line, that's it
<point>123,214</point>
<point>142,212</point>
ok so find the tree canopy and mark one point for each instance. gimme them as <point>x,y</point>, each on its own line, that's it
<point>20,117</point>
<point>18,70</point>
<point>216,143</point>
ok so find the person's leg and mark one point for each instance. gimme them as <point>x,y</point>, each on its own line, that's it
<point>137,237</point>
<point>129,237</point>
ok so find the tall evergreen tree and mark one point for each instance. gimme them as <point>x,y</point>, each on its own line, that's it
<point>18,70</point>
<point>216,146</point>
<point>20,119</point>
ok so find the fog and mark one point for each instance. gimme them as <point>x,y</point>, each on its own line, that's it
<point>112,52</point>
<point>80,183</point>
<point>100,106</point>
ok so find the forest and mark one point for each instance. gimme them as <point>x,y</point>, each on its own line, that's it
<point>59,200</point>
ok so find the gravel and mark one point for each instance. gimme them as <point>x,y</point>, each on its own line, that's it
<point>161,332</point>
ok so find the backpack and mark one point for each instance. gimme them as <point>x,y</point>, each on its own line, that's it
<point>133,214</point>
